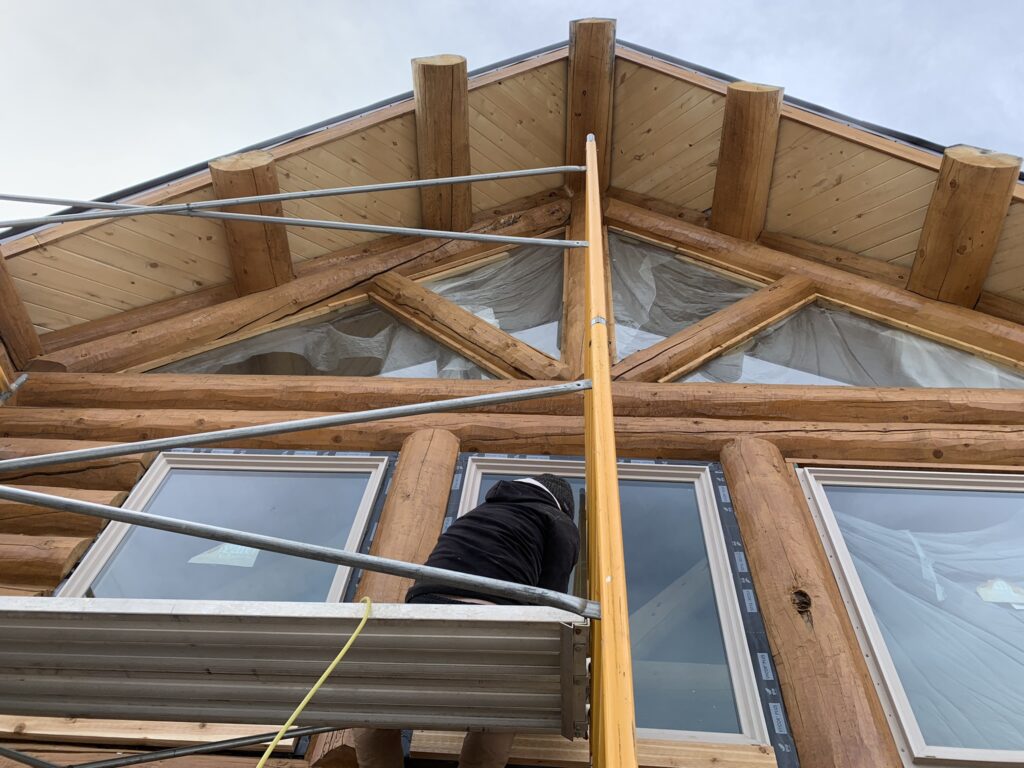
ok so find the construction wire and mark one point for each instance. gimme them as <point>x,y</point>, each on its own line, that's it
<point>316,687</point>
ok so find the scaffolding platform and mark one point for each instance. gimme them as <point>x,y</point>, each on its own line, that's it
<point>445,667</point>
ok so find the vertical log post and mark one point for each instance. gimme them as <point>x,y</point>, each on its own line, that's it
<point>441,92</point>
<point>746,156</point>
<point>260,255</point>
<point>962,226</point>
<point>574,317</point>
<point>589,100</point>
<point>16,329</point>
<point>409,526</point>
<point>835,714</point>
<point>613,720</point>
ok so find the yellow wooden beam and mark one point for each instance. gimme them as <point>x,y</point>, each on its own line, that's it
<point>613,737</point>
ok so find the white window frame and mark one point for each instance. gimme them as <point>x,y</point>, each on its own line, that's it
<point>912,746</point>
<point>108,541</point>
<point>753,729</point>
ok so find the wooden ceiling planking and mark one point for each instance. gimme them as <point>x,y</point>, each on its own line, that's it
<point>1006,274</point>
<point>666,136</point>
<point>517,122</point>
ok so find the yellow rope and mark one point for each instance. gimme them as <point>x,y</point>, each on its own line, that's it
<point>316,687</point>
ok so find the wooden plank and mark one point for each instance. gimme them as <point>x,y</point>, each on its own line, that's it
<point>66,754</point>
<point>119,473</point>
<point>864,266</point>
<point>16,329</point>
<point>200,326</point>
<point>643,437</point>
<point>461,330</point>
<point>135,318</point>
<point>589,94</point>
<point>441,93</point>
<point>963,223</point>
<point>574,318</point>
<point>147,733</point>
<point>29,519</point>
<point>259,251</point>
<point>986,336</point>
<point>631,399</point>
<point>542,750</point>
<point>833,709</point>
<point>691,347</point>
<point>746,156</point>
<point>613,718</point>
<point>38,560</point>
<point>699,218</point>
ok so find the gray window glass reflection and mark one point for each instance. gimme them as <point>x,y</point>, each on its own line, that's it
<point>680,669</point>
<point>313,507</point>
<point>943,571</point>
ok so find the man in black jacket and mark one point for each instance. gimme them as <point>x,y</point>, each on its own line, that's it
<point>524,532</point>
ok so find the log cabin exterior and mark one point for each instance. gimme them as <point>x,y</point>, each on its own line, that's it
<point>809,321</point>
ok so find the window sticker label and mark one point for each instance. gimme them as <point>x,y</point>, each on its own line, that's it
<point>741,562</point>
<point>778,719</point>
<point>765,664</point>
<point>750,601</point>
<point>227,554</point>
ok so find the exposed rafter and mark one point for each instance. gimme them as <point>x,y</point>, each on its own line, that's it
<point>461,330</point>
<point>961,229</point>
<point>746,156</point>
<point>441,90</point>
<point>260,256</point>
<point>589,99</point>
<point>16,329</point>
<point>691,347</point>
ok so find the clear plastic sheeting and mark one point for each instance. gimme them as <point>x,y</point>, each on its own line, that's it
<point>655,293</point>
<point>355,342</point>
<point>521,294</point>
<point>820,345</point>
<point>943,571</point>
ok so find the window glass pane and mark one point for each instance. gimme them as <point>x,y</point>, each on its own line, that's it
<point>943,571</point>
<point>680,669</point>
<point>655,293</point>
<point>354,342</point>
<point>821,345</point>
<point>313,507</point>
<point>520,294</point>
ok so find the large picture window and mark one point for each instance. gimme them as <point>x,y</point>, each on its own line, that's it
<point>932,566</point>
<point>691,666</point>
<point>315,499</point>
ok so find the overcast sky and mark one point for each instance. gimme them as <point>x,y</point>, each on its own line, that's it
<point>103,94</point>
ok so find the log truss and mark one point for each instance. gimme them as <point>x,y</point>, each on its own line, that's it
<point>85,385</point>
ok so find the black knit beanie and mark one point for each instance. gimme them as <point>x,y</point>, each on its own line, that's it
<point>560,489</point>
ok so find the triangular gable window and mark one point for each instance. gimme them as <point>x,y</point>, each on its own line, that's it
<point>364,341</point>
<point>822,345</point>
<point>655,293</point>
<point>521,294</point>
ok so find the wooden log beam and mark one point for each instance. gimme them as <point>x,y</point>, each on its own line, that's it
<point>643,437</point>
<point>16,517</point>
<point>409,527</point>
<point>489,347</point>
<point>68,754</point>
<point>691,347</point>
<point>224,320</point>
<point>441,94</point>
<point>631,399</point>
<point>835,714</point>
<point>573,292</point>
<point>17,332</point>
<point>259,251</point>
<point>590,91</point>
<point>986,336</point>
<point>414,510</point>
<point>884,271</point>
<point>746,157</point>
<point>38,561</point>
<point>962,225</point>
<point>120,474</point>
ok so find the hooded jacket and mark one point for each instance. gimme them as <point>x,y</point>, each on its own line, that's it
<point>518,534</point>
